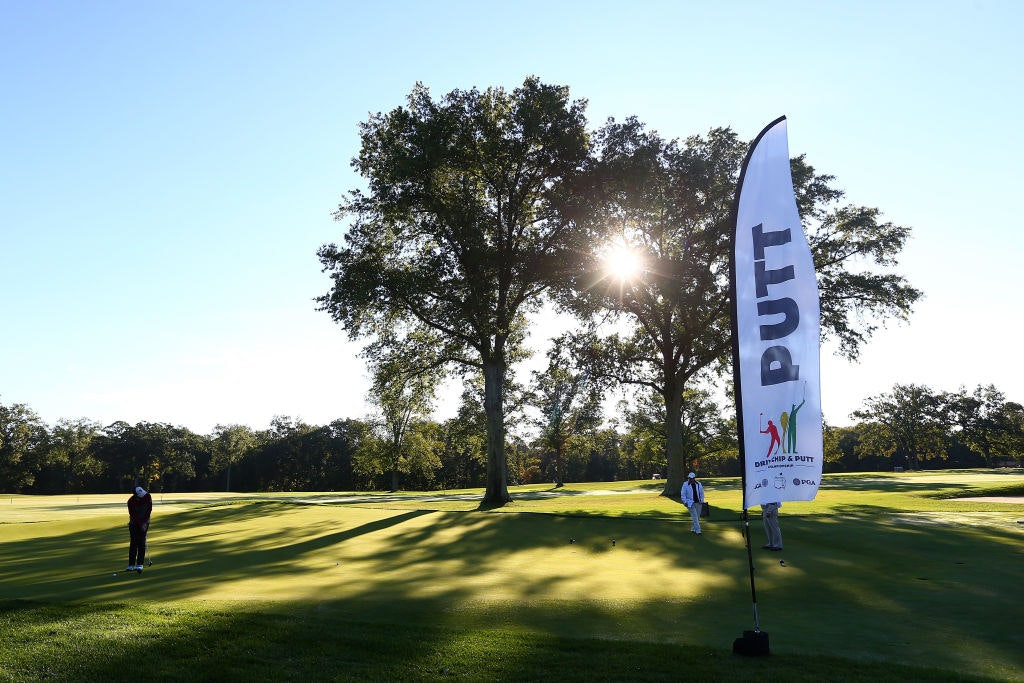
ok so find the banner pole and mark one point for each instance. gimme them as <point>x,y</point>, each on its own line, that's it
<point>752,643</point>
<point>750,562</point>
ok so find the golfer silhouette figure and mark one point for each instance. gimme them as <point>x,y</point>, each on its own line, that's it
<point>776,441</point>
<point>784,423</point>
<point>792,425</point>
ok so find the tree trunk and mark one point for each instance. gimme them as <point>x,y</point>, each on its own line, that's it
<point>496,494</point>
<point>912,460</point>
<point>559,479</point>
<point>676,475</point>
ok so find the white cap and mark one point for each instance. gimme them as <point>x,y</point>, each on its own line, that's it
<point>140,492</point>
<point>691,476</point>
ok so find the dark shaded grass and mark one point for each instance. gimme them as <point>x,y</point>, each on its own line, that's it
<point>129,642</point>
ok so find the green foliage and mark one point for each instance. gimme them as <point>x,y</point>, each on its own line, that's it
<point>1014,443</point>
<point>707,437</point>
<point>231,444</point>
<point>294,456</point>
<point>418,454</point>
<point>986,422</point>
<point>841,449</point>
<point>670,203</point>
<point>913,424</point>
<point>569,405</point>
<point>406,374</point>
<point>910,421</point>
<point>464,225</point>
<point>464,462</point>
<point>22,435</point>
<point>644,440</point>
<point>854,254</point>
<point>69,452</point>
<point>157,455</point>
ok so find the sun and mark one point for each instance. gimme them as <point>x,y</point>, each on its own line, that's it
<point>622,262</point>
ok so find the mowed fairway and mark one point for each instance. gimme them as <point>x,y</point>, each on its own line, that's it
<point>881,571</point>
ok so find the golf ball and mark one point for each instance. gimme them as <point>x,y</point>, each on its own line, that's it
<point>114,574</point>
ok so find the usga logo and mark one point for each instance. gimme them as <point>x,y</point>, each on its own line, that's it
<point>809,482</point>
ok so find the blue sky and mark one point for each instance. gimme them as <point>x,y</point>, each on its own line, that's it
<point>168,171</point>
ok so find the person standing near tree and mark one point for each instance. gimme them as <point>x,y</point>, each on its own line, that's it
<point>693,496</point>
<point>770,515</point>
<point>140,507</point>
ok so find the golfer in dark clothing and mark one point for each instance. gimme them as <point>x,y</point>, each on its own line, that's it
<point>140,507</point>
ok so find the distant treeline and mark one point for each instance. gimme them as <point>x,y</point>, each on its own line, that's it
<point>84,457</point>
<point>911,427</point>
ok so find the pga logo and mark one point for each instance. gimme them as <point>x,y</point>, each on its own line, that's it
<point>761,484</point>
<point>808,482</point>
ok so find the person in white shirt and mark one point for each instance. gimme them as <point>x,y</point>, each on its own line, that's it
<point>693,496</point>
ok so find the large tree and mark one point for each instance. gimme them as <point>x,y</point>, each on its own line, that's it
<point>231,443</point>
<point>985,421</point>
<point>22,439</point>
<point>71,454</point>
<point>462,228</point>
<point>910,421</point>
<point>668,205</point>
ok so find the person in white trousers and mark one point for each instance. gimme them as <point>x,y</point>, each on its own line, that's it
<point>770,515</point>
<point>693,496</point>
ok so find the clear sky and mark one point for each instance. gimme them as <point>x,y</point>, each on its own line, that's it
<point>168,171</point>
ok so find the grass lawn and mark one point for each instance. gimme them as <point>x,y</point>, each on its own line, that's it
<point>884,577</point>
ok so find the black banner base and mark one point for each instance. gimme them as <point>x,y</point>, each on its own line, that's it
<point>752,644</point>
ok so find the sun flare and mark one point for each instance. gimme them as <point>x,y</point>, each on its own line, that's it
<point>622,262</point>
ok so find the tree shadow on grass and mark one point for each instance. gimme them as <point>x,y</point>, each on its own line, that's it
<point>330,642</point>
<point>847,584</point>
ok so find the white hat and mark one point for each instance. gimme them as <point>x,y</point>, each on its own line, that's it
<point>140,492</point>
<point>691,476</point>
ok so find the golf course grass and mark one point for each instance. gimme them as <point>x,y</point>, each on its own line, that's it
<point>883,577</point>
